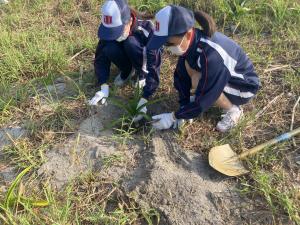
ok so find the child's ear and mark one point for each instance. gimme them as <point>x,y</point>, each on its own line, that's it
<point>190,34</point>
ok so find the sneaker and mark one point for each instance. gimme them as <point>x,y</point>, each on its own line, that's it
<point>230,119</point>
<point>119,81</point>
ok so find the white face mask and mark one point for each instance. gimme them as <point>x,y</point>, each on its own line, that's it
<point>123,37</point>
<point>177,50</point>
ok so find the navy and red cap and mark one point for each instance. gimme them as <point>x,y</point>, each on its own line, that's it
<point>170,21</point>
<point>115,15</point>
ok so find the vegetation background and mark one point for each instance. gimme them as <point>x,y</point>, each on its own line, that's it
<point>41,40</point>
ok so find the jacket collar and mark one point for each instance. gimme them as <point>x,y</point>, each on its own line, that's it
<point>192,43</point>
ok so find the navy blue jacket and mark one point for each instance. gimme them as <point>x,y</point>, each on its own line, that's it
<point>147,63</point>
<point>224,67</point>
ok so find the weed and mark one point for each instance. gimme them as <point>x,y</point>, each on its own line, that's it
<point>130,107</point>
<point>90,199</point>
<point>23,154</point>
<point>125,125</point>
<point>14,198</point>
<point>271,185</point>
<point>111,160</point>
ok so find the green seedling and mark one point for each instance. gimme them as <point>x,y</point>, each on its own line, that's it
<point>13,199</point>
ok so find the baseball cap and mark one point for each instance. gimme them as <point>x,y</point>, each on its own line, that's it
<point>170,21</point>
<point>115,15</point>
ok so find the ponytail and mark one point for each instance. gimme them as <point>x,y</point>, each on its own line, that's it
<point>141,15</point>
<point>206,22</point>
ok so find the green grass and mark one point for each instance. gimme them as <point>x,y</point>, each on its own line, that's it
<point>37,41</point>
<point>14,199</point>
<point>292,80</point>
<point>125,127</point>
<point>269,180</point>
<point>34,42</point>
<point>88,200</point>
<point>111,160</point>
<point>23,154</point>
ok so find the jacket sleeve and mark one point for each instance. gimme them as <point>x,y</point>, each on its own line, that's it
<point>213,80</point>
<point>182,82</point>
<point>101,64</point>
<point>153,70</point>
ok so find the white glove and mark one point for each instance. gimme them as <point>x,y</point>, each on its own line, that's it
<point>143,109</point>
<point>165,121</point>
<point>179,123</point>
<point>100,95</point>
<point>140,83</point>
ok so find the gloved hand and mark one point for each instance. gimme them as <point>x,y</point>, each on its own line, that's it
<point>165,121</point>
<point>100,95</point>
<point>179,123</point>
<point>140,83</point>
<point>142,109</point>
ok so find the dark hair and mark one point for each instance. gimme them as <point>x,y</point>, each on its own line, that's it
<point>141,15</point>
<point>206,22</point>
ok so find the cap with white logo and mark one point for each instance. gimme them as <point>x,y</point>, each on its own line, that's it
<point>170,21</point>
<point>115,15</point>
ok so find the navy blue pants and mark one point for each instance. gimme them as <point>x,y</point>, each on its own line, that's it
<point>114,52</point>
<point>125,55</point>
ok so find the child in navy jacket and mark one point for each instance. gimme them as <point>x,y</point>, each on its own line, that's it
<point>211,69</point>
<point>123,39</point>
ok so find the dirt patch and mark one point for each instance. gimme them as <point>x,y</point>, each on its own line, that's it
<point>90,149</point>
<point>8,173</point>
<point>62,87</point>
<point>6,134</point>
<point>180,184</point>
<point>81,155</point>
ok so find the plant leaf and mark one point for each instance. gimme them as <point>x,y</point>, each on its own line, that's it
<point>10,192</point>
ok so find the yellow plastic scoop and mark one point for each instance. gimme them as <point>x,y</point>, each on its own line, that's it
<point>225,160</point>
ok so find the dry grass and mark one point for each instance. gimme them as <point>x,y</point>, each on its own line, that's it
<point>63,29</point>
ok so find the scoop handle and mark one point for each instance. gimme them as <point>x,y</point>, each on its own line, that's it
<point>280,138</point>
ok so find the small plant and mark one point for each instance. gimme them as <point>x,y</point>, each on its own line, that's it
<point>14,198</point>
<point>124,129</point>
<point>237,7</point>
<point>125,125</point>
<point>24,154</point>
<point>130,107</point>
<point>111,160</point>
<point>281,11</point>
